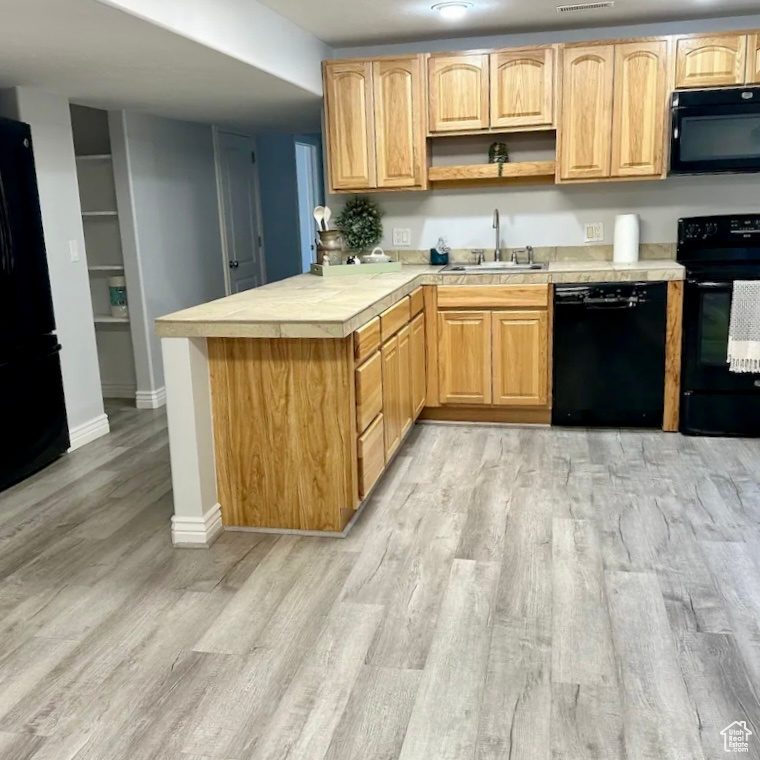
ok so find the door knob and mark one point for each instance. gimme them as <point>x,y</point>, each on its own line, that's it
<point>234,264</point>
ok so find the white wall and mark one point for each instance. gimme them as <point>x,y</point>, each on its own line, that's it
<point>243,29</point>
<point>169,215</point>
<point>560,35</point>
<point>50,120</point>
<point>554,215</point>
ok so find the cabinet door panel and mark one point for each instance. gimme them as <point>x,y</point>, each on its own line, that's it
<point>391,396</point>
<point>369,391</point>
<point>753,59</point>
<point>522,88</point>
<point>405,378</point>
<point>520,358</point>
<point>711,61</point>
<point>398,128</point>
<point>458,92</point>
<point>586,118</point>
<point>419,380</point>
<point>350,130</point>
<point>371,454</point>
<point>638,133</point>
<point>464,357</point>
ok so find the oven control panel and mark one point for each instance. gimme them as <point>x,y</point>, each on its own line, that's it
<point>749,226</point>
<point>719,238</point>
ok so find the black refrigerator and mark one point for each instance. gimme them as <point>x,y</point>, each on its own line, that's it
<point>33,428</point>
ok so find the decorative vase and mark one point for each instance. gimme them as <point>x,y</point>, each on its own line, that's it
<point>330,243</point>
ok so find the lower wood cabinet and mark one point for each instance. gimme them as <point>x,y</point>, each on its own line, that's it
<point>391,395</point>
<point>371,450</point>
<point>369,391</point>
<point>464,357</point>
<point>520,358</point>
<point>419,358</point>
<point>495,357</point>
<point>406,413</point>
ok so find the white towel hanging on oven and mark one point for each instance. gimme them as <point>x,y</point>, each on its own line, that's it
<point>744,332</point>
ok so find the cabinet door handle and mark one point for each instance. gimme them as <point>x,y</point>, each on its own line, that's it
<point>234,264</point>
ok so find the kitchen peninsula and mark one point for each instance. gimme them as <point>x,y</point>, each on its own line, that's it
<point>287,403</point>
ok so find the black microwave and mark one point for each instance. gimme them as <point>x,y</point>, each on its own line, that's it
<point>715,131</point>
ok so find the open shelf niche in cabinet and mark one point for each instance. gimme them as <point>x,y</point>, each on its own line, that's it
<point>462,160</point>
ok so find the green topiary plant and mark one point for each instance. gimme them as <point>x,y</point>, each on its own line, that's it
<point>360,222</point>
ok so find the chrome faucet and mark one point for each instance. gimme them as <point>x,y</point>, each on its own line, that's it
<point>497,227</point>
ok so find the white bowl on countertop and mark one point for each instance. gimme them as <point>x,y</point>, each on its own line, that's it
<point>378,256</point>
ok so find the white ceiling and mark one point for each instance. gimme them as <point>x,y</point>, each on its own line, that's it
<point>357,22</point>
<point>102,57</point>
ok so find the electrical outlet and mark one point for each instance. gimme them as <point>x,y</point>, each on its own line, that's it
<point>402,237</point>
<point>593,233</point>
<point>73,251</point>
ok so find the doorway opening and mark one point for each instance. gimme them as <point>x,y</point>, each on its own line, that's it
<point>310,195</point>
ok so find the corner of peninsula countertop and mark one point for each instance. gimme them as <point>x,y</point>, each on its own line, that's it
<point>308,306</point>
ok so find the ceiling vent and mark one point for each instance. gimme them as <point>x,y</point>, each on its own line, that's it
<point>586,6</point>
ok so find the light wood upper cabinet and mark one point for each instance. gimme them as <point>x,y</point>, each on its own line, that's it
<point>419,379</point>
<point>520,358</point>
<point>640,104</point>
<point>391,396</point>
<point>711,61</point>
<point>399,132</point>
<point>753,59</point>
<point>464,357</point>
<point>586,117</point>
<point>458,92</point>
<point>522,88</point>
<point>350,125</point>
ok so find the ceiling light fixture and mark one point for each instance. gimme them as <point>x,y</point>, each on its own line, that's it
<point>452,11</point>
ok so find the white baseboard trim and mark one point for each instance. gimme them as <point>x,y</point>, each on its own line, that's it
<point>198,532</point>
<point>118,390</point>
<point>87,433</point>
<point>151,399</point>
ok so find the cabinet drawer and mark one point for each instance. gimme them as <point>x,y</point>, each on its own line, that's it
<point>369,391</point>
<point>367,340</point>
<point>393,319</point>
<point>371,456</point>
<point>493,296</point>
<point>417,304</point>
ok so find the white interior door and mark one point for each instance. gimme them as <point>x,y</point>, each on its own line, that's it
<point>242,230</point>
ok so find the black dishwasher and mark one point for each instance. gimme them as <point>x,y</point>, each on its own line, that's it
<point>609,354</point>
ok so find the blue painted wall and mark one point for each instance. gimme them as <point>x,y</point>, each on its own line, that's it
<point>279,202</point>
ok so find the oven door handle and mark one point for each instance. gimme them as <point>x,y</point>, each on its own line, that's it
<point>710,285</point>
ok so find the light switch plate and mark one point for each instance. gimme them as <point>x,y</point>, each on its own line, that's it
<point>402,237</point>
<point>593,233</point>
<point>73,251</point>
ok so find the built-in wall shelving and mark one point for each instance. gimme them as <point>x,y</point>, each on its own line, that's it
<point>97,192</point>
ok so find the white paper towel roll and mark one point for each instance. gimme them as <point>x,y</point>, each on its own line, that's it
<point>626,249</point>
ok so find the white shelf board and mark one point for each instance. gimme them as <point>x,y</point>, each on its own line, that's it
<point>105,319</point>
<point>99,213</point>
<point>95,157</point>
<point>106,268</point>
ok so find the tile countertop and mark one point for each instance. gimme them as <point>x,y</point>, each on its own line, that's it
<point>308,306</point>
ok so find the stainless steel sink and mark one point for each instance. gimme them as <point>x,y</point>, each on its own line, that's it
<point>494,266</point>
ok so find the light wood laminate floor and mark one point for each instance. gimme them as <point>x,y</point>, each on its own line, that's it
<point>526,594</point>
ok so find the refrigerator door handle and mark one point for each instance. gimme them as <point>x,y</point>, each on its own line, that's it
<point>6,238</point>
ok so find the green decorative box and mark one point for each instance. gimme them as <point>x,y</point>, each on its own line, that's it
<point>346,270</point>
